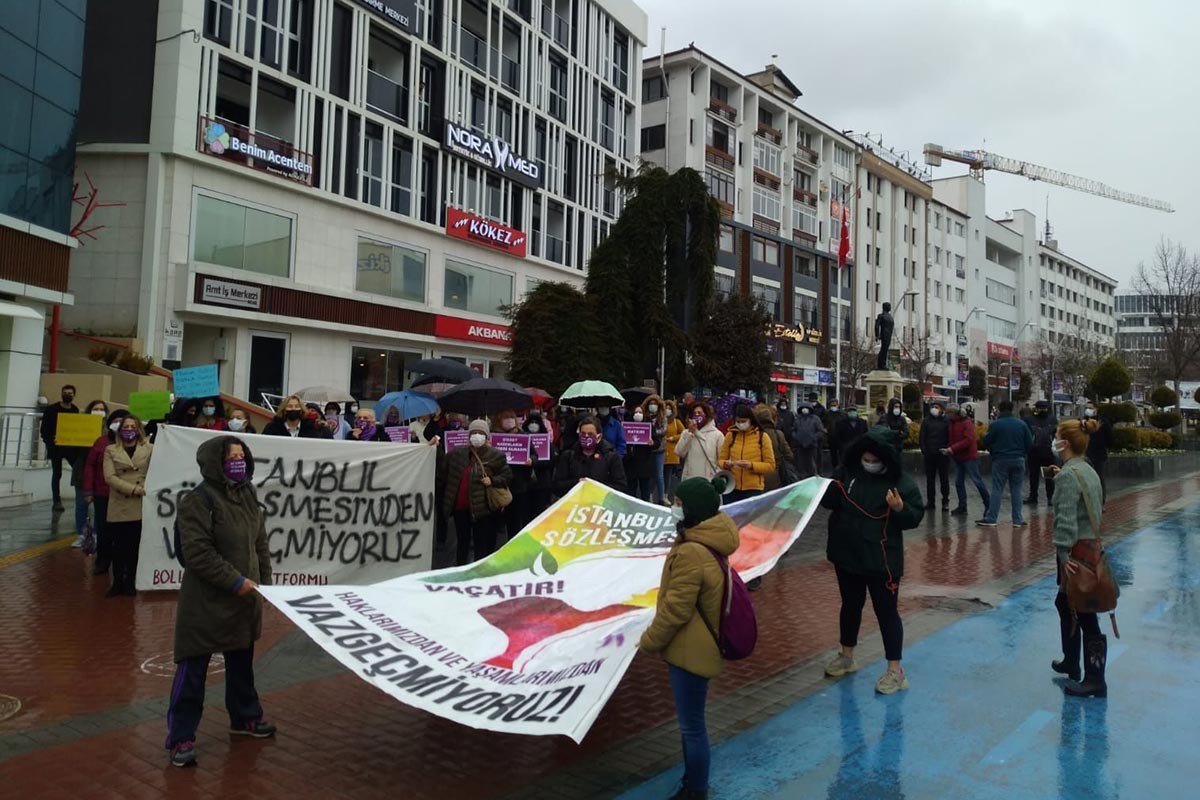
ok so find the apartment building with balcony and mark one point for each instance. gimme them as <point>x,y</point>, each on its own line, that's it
<point>322,191</point>
<point>946,307</point>
<point>780,176</point>
<point>1142,324</point>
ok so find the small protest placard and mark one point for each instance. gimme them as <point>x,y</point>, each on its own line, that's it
<point>540,442</point>
<point>515,446</point>
<point>398,433</point>
<point>456,439</point>
<point>149,405</point>
<point>197,381</point>
<point>78,430</point>
<point>638,433</point>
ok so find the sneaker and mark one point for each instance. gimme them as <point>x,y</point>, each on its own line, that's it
<point>891,682</point>
<point>961,511</point>
<point>258,729</point>
<point>78,542</point>
<point>1021,524</point>
<point>983,523</point>
<point>58,506</point>
<point>183,754</point>
<point>841,665</point>
<point>1031,501</point>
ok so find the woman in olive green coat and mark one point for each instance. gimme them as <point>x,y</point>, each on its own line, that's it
<point>223,536</point>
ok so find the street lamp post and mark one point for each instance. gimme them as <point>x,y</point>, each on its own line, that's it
<point>1008,364</point>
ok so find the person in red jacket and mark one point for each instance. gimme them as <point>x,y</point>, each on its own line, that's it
<point>95,489</point>
<point>965,452</point>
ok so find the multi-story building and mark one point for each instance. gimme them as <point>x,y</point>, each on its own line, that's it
<point>1142,322</point>
<point>947,309</point>
<point>321,191</point>
<point>780,176</point>
<point>41,60</point>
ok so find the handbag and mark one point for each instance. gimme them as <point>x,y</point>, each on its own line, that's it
<point>1090,586</point>
<point>498,497</point>
<point>88,546</point>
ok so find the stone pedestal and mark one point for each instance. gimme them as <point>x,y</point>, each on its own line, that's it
<point>882,386</point>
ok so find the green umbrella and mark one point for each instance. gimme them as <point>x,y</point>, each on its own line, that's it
<point>591,394</point>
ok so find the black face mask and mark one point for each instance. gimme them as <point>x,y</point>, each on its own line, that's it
<point>293,416</point>
<point>68,398</point>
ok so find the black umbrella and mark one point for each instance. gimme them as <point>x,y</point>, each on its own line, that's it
<point>446,370</point>
<point>482,397</point>
<point>636,396</point>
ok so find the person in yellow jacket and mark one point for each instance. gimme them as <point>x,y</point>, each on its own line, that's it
<point>689,602</point>
<point>673,464</point>
<point>748,454</point>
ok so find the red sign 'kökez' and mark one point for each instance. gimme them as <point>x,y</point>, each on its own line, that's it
<point>464,225</point>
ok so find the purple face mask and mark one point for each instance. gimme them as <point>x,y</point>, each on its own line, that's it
<point>235,469</point>
<point>699,421</point>
<point>588,441</point>
<point>128,434</point>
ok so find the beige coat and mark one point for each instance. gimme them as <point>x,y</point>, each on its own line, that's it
<point>124,474</point>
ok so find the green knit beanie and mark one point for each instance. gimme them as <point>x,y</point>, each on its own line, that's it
<point>700,499</point>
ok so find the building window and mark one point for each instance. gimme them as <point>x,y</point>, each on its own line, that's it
<point>719,136</point>
<point>621,61</point>
<point>806,267</point>
<point>605,121</point>
<point>724,283</point>
<point>804,310</point>
<point>218,20</point>
<point>1000,292</point>
<point>842,157</point>
<point>803,220</point>
<point>654,138</point>
<point>764,252</point>
<point>725,242</point>
<point>719,91</point>
<point>766,156</point>
<point>720,185</point>
<point>558,90</point>
<point>653,89</point>
<point>392,270</point>
<point>375,371</point>
<point>767,203</point>
<point>768,295</point>
<point>233,235</point>
<point>477,290</point>
<point>1001,328</point>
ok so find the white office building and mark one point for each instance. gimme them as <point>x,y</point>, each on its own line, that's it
<point>947,308</point>
<point>321,191</point>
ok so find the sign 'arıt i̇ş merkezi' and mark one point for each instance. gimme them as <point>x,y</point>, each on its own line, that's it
<point>495,154</point>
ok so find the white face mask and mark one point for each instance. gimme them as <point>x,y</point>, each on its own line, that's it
<point>602,411</point>
<point>804,410</point>
<point>1058,447</point>
<point>872,467</point>
<point>99,412</point>
<point>743,426</point>
<point>896,411</point>
<point>638,417</point>
<point>236,424</point>
<point>669,413</point>
<point>478,440</point>
<point>652,408</point>
<point>508,424</point>
<point>935,412</point>
<point>1089,412</point>
<point>677,513</point>
<point>534,427</point>
<point>114,426</point>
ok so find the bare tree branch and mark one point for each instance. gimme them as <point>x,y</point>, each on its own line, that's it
<point>1171,286</point>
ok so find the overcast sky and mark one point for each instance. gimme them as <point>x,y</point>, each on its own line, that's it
<point>1104,89</point>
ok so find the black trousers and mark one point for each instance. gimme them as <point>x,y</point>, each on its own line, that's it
<point>103,541</point>
<point>187,694</point>
<point>1033,465</point>
<point>478,532</point>
<point>937,466</point>
<point>124,539</point>
<point>1072,625</point>
<point>57,456</point>
<point>854,589</point>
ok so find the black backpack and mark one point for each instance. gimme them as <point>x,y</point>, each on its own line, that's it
<point>198,490</point>
<point>1043,438</point>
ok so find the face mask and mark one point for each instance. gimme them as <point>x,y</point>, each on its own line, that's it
<point>833,408</point>
<point>455,425</point>
<point>603,411</point>
<point>362,423</point>
<point>743,426</point>
<point>350,409</point>
<point>392,420</point>
<point>652,408</point>
<point>670,413</point>
<point>294,415</point>
<point>1058,447</point>
<point>478,440</point>
<point>534,427</point>
<point>782,406</point>
<point>235,469</point>
<point>67,398</point>
<point>935,412</point>
<point>508,424</point>
<point>587,441</point>
<point>677,513</point>
<point>896,411</point>
<point>638,417</point>
<point>1089,412</point>
<point>210,411</point>
<point>805,411</point>
<point>236,425</point>
<point>114,426</point>
<point>128,434</point>
<point>698,421</point>
<point>852,414</point>
<point>99,412</point>
<point>872,467</point>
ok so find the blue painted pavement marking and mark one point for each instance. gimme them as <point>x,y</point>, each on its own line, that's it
<point>987,719</point>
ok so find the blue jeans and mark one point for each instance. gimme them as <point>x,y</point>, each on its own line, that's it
<point>961,470</point>
<point>691,692</point>
<point>660,482</point>
<point>1010,471</point>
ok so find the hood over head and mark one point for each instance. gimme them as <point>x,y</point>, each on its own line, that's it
<point>764,419</point>
<point>878,443</point>
<point>211,458</point>
<point>719,532</point>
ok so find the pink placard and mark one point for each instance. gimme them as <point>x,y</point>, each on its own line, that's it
<point>638,433</point>
<point>540,442</point>
<point>456,439</point>
<point>515,446</point>
<point>399,433</point>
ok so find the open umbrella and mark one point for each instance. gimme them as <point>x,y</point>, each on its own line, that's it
<point>410,404</point>
<point>448,370</point>
<point>324,394</point>
<point>590,394</point>
<point>482,397</point>
<point>541,398</point>
<point>636,396</point>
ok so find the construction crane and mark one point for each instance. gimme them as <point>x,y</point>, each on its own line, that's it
<point>981,160</point>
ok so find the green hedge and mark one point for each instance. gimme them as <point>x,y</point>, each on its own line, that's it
<point>1130,438</point>
<point>1165,420</point>
<point>1112,413</point>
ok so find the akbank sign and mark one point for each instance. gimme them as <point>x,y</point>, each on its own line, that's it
<point>495,154</point>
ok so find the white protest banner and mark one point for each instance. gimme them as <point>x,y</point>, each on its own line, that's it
<point>337,512</point>
<point>534,638</point>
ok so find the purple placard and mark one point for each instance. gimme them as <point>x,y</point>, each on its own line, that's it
<point>456,439</point>
<point>515,446</point>
<point>638,433</point>
<point>399,433</point>
<point>541,445</point>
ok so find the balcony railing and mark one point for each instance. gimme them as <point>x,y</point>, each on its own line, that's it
<point>718,158</point>
<point>554,249</point>
<point>807,155</point>
<point>805,196</point>
<point>722,109</point>
<point>473,50</point>
<point>386,96</point>
<point>769,132</point>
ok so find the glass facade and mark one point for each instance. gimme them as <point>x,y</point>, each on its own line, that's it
<point>390,269</point>
<point>234,235</point>
<point>41,59</point>
<point>375,371</point>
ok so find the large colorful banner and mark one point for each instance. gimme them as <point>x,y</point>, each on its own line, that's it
<point>534,638</point>
<point>337,512</point>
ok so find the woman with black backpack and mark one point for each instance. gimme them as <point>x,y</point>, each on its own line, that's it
<point>688,614</point>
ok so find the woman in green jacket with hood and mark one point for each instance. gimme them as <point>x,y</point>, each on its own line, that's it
<point>873,502</point>
<point>223,536</point>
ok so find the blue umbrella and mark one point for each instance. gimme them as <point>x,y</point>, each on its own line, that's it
<point>410,404</point>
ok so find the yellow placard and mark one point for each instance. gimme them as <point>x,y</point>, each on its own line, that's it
<point>78,430</point>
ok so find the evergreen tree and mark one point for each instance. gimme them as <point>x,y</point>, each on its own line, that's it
<point>556,339</point>
<point>730,345</point>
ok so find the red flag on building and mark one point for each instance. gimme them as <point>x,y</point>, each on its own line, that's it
<point>844,246</point>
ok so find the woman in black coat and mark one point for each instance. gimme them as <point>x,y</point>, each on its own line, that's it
<point>591,457</point>
<point>290,420</point>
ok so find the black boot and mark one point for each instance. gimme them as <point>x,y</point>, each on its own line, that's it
<point>1069,665</point>
<point>1095,658</point>
<point>690,794</point>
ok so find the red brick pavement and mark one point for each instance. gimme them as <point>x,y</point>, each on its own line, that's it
<point>77,652</point>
